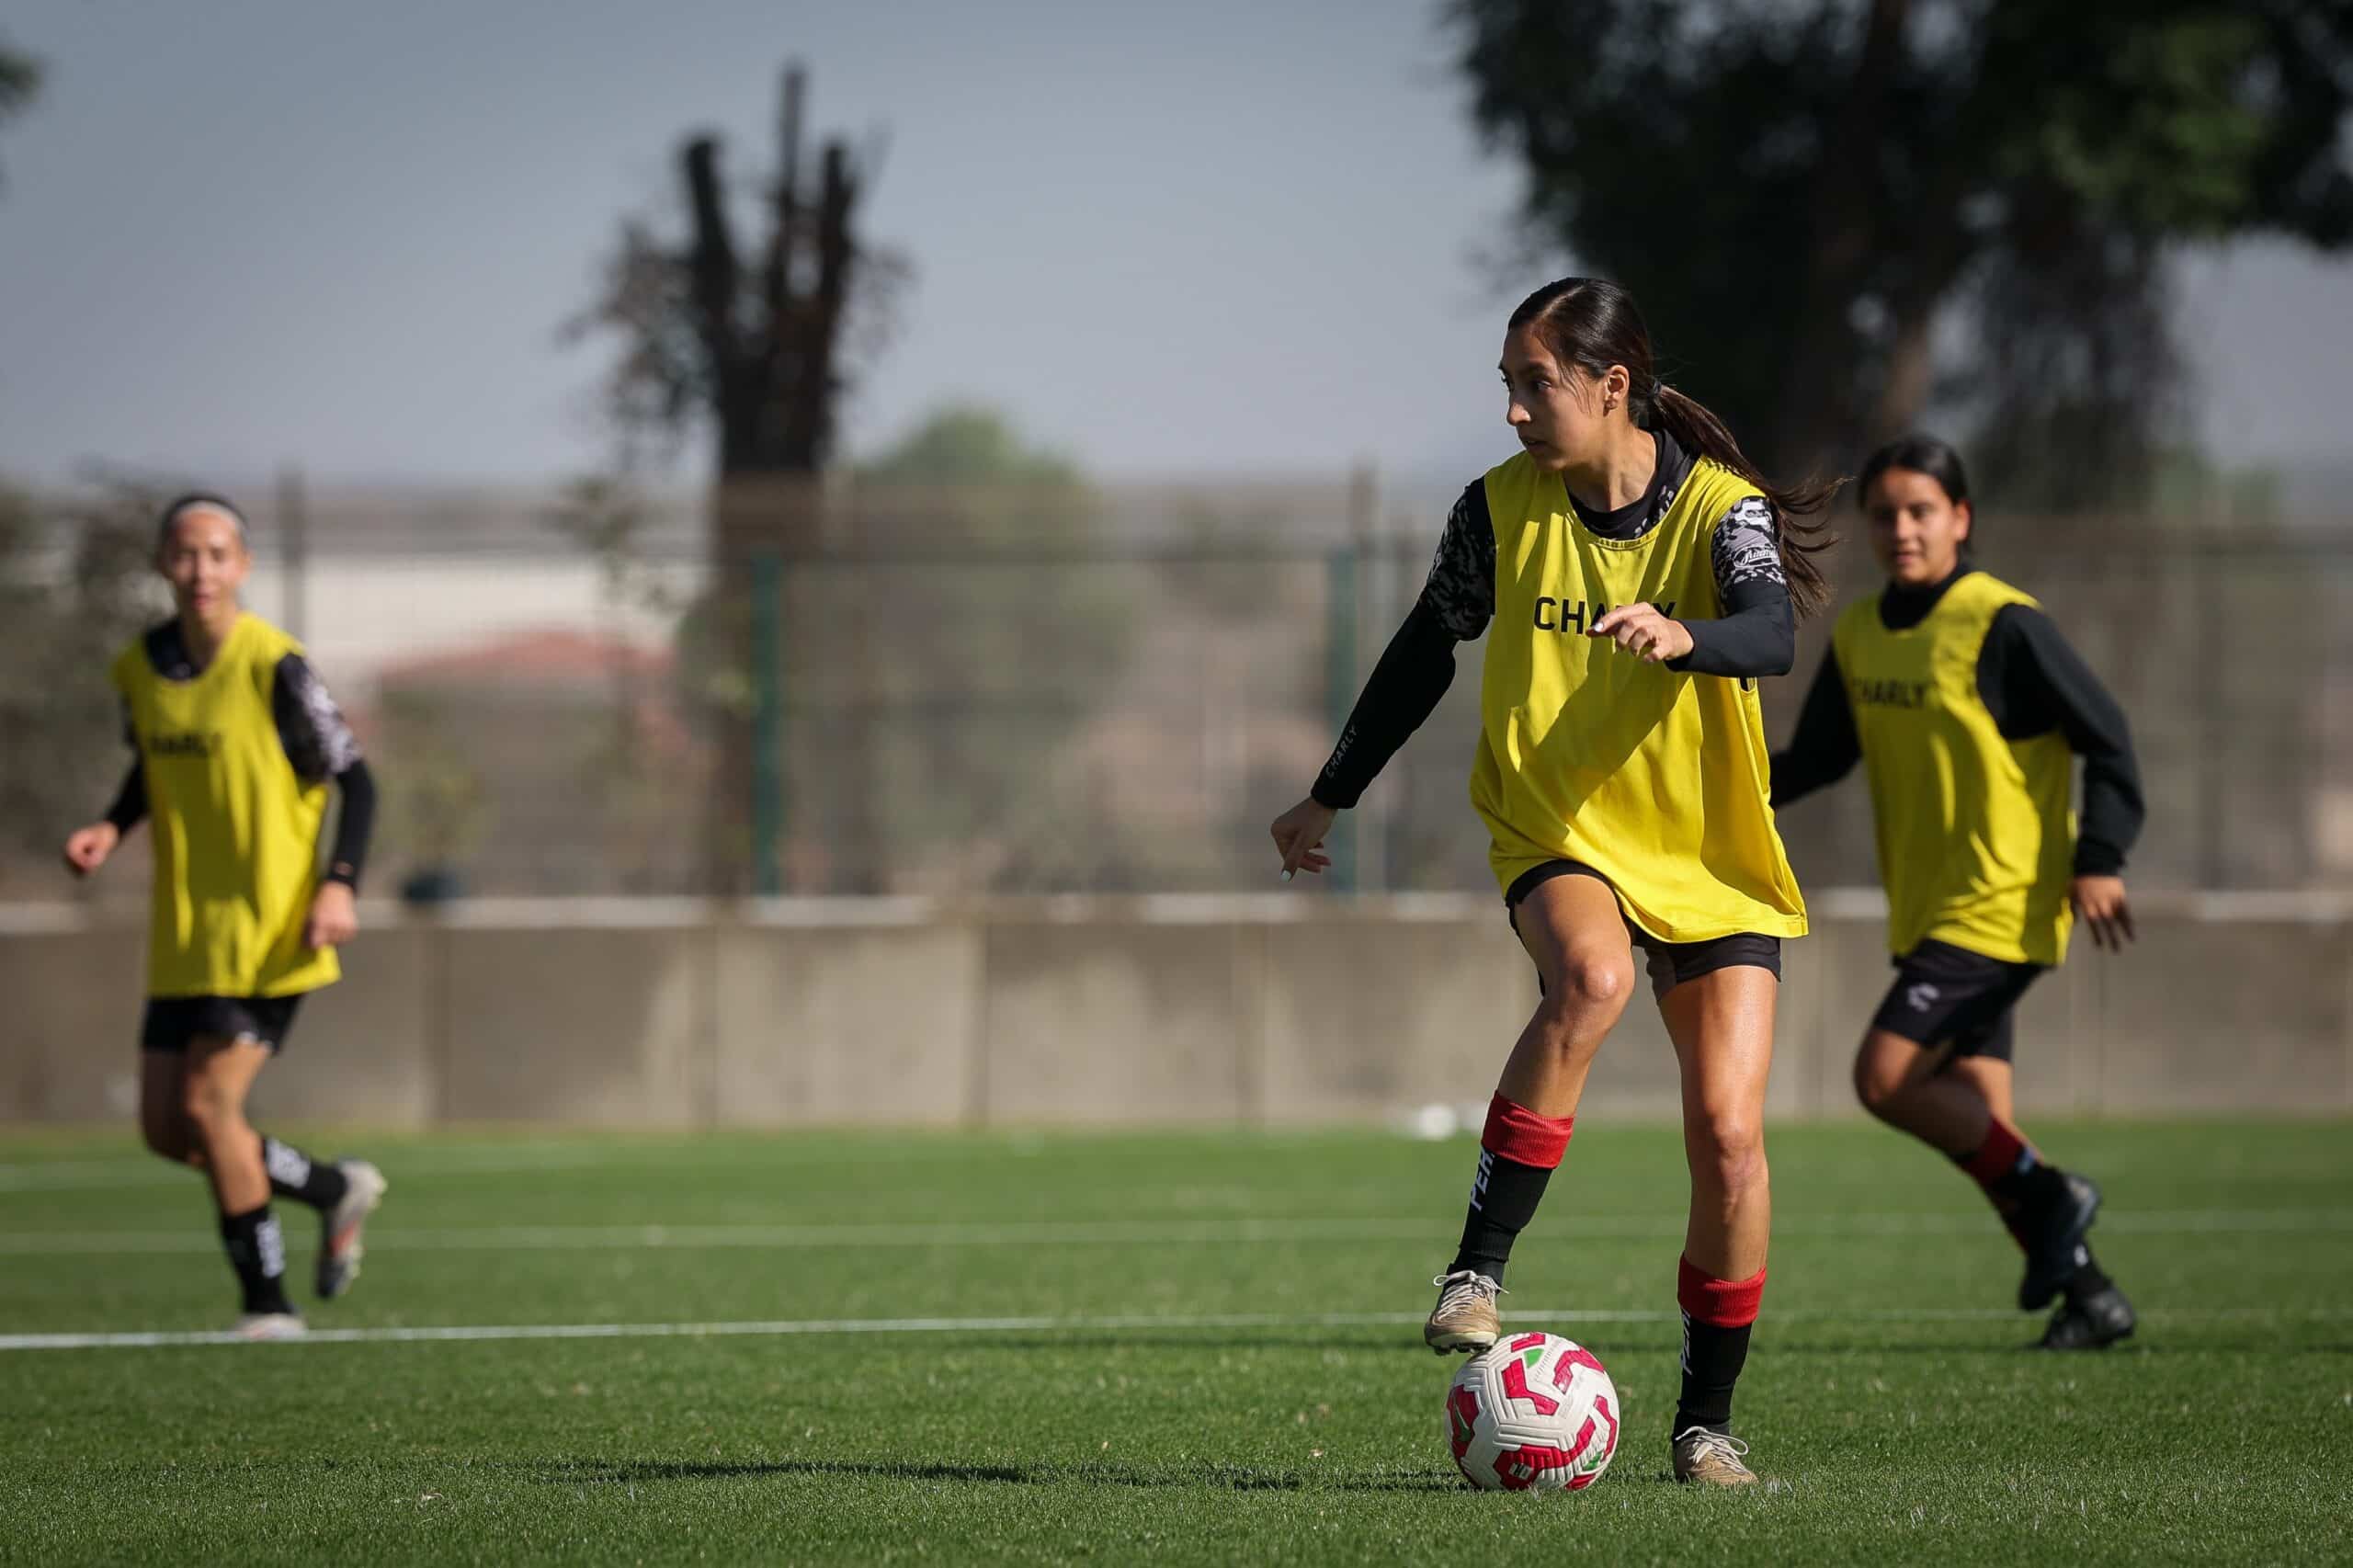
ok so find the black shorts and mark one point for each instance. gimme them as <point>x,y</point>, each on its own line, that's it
<point>1669,964</point>
<point>1943,993</point>
<point>173,1021</point>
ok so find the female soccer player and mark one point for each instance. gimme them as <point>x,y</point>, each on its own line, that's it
<point>236,739</point>
<point>1639,574</point>
<point>1967,709</point>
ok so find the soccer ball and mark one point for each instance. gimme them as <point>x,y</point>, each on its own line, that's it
<point>1535,1412</point>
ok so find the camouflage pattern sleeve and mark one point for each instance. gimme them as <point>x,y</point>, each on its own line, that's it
<point>1461,591</point>
<point>318,741</point>
<point>1754,631</point>
<point>1746,548</point>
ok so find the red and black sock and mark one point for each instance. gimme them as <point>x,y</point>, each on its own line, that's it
<point>2018,1181</point>
<point>257,1249</point>
<point>1519,1150</point>
<point>2012,1175</point>
<point>293,1174</point>
<point>1716,1317</point>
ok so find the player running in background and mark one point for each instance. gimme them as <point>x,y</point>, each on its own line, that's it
<point>1967,709</point>
<point>1638,574</point>
<point>236,739</point>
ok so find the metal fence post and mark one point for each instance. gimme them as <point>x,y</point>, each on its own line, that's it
<point>1339,689</point>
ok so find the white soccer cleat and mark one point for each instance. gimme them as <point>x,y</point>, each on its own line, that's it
<point>339,1248</point>
<point>263,1327</point>
<point>1465,1317</point>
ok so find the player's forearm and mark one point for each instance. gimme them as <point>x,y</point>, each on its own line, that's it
<point>2043,676</point>
<point>354,825</point>
<point>2113,812</point>
<point>1824,746</point>
<point>1757,637</point>
<point>1403,691</point>
<point>130,808</point>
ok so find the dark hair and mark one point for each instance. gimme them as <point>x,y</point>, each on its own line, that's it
<point>1593,323</point>
<point>1921,454</point>
<point>178,503</point>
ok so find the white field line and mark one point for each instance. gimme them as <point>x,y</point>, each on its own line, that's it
<point>1104,1324</point>
<point>1233,1232</point>
<point>145,1170</point>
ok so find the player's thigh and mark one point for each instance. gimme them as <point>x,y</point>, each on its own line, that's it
<point>1888,1064</point>
<point>1575,934</point>
<point>220,1075</point>
<point>1991,1078</point>
<point>1721,1024</point>
<point>163,1098</point>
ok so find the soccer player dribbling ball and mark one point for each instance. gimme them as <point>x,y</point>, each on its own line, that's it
<point>1967,709</point>
<point>1634,575</point>
<point>236,741</point>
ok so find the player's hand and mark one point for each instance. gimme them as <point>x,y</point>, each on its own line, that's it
<point>1643,633</point>
<point>2100,905</point>
<point>334,918</point>
<point>1299,835</point>
<point>88,849</point>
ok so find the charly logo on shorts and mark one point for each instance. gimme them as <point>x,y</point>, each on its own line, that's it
<point>1921,997</point>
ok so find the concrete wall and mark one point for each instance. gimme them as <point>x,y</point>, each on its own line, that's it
<point>1243,1008</point>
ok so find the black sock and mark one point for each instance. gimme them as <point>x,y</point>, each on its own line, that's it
<point>2037,1184</point>
<point>257,1252</point>
<point>1504,1198</point>
<point>1712,1358</point>
<point>293,1174</point>
<point>2087,1280</point>
<point>1519,1150</point>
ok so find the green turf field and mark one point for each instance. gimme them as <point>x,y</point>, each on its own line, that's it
<point>1233,1374</point>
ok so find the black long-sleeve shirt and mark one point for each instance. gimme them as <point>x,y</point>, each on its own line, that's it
<point>318,743</point>
<point>2032,682</point>
<point>1757,634</point>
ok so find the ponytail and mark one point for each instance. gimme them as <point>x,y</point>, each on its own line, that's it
<point>1799,529</point>
<point>1593,323</point>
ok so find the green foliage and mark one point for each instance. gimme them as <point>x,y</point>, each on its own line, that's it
<point>75,586</point>
<point>941,662</point>
<point>19,83</point>
<point>1819,185</point>
<point>967,444</point>
<point>434,798</point>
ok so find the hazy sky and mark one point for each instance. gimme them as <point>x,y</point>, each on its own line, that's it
<point>1229,235</point>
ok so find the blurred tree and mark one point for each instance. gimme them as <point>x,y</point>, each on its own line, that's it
<point>966,444</point>
<point>19,81</point>
<point>755,351</point>
<point>936,752</point>
<point>75,586</point>
<point>1841,211</point>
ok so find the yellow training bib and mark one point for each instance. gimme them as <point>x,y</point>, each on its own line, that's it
<point>237,833</point>
<point>1976,837</point>
<point>1658,781</point>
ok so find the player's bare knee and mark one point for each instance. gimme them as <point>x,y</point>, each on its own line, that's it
<point>1596,987</point>
<point>209,1110</point>
<point>1876,1088</point>
<point>1727,1151</point>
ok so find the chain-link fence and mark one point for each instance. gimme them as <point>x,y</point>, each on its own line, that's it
<point>984,690</point>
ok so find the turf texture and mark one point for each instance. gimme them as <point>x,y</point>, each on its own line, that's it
<point>1155,1347</point>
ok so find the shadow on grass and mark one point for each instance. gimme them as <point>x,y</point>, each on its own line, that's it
<point>1220,1478</point>
<point>2024,1349</point>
